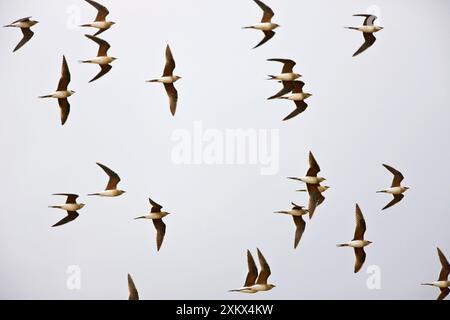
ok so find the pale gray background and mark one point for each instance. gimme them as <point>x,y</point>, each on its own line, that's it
<point>389,105</point>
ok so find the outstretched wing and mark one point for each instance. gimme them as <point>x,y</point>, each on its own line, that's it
<point>102,11</point>
<point>267,36</point>
<point>71,215</point>
<point>369,41</point>
<point>27,35</point>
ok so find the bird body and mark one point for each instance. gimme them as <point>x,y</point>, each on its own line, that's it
<point>108,193</point>
<point>439,284</point>
<point>394,190</point>
<point>102,25</point>
<point>264,26</point>
<point>22,24</point>
<point>59,94</point>
<point>296,96</point>
<point>69,206</point>
<point>102,60</point>
<point>320,188</point>
<point>355,244</point>
<point>289,76</point>
<point>166,79</point>
<point>309,180</point>
<point>154,215</point>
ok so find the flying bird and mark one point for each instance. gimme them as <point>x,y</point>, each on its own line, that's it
<point>156,215</point>
<point>254,282</point>
<point>132,291</point>
<point>71,206</point>
<point>396,189</point>
<point>368,29</point>
<point>358,243</point>
<point>25,25</point>
<point>297,212</point>
<point>298,96</point>
<point>443,283</point>
<point>168,79</point>
<point>312,184</point>
<point>102,59</point>
<point>62,93</point>
<point>100,21</point>
<point>111,188</point>
<point>287,74</point>
<point>266,25</point>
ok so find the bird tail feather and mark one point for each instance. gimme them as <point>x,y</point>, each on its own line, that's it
<point>46,96</point>
<point>153,80</point>
<point>93,194</point>
<point>342,245</point>
<point>352,28</point>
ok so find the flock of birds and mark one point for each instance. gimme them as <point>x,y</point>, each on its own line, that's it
<point>292,89</point>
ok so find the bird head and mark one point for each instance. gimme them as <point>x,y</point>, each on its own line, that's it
<point>378,28</point>
<point>271,286</point>
<point>33,22</point>
<point>81,205</point>
<point>367,242</point>
<point>176,78</point>
<point>307,95</point>
<point>121,192</point>
<point>71,92</point>
<point>297,75</point>
<point>406,188</point>
<point>321,179</point>
<point>326,187</point>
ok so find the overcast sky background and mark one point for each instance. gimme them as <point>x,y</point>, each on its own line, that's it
<point>388,105</point>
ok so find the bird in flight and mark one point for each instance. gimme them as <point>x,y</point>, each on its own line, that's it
<point>62,93</point>
<point>168,79</point>
<point>312,184</point>
<point>298,96</point>
<point>297,212</point>
<point>358,243</point>
<point>368,29</point>
<point>156,215</point>
<point>266,25</point>
<point>132,291</point>
<point>100,22</point>
<point>71,206</point>
<point>111,188</point>
<point>25,25</point>
<point>396,189</point>
<point>254,282</point>
<point>443,283</point>
<point>102,59</point>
